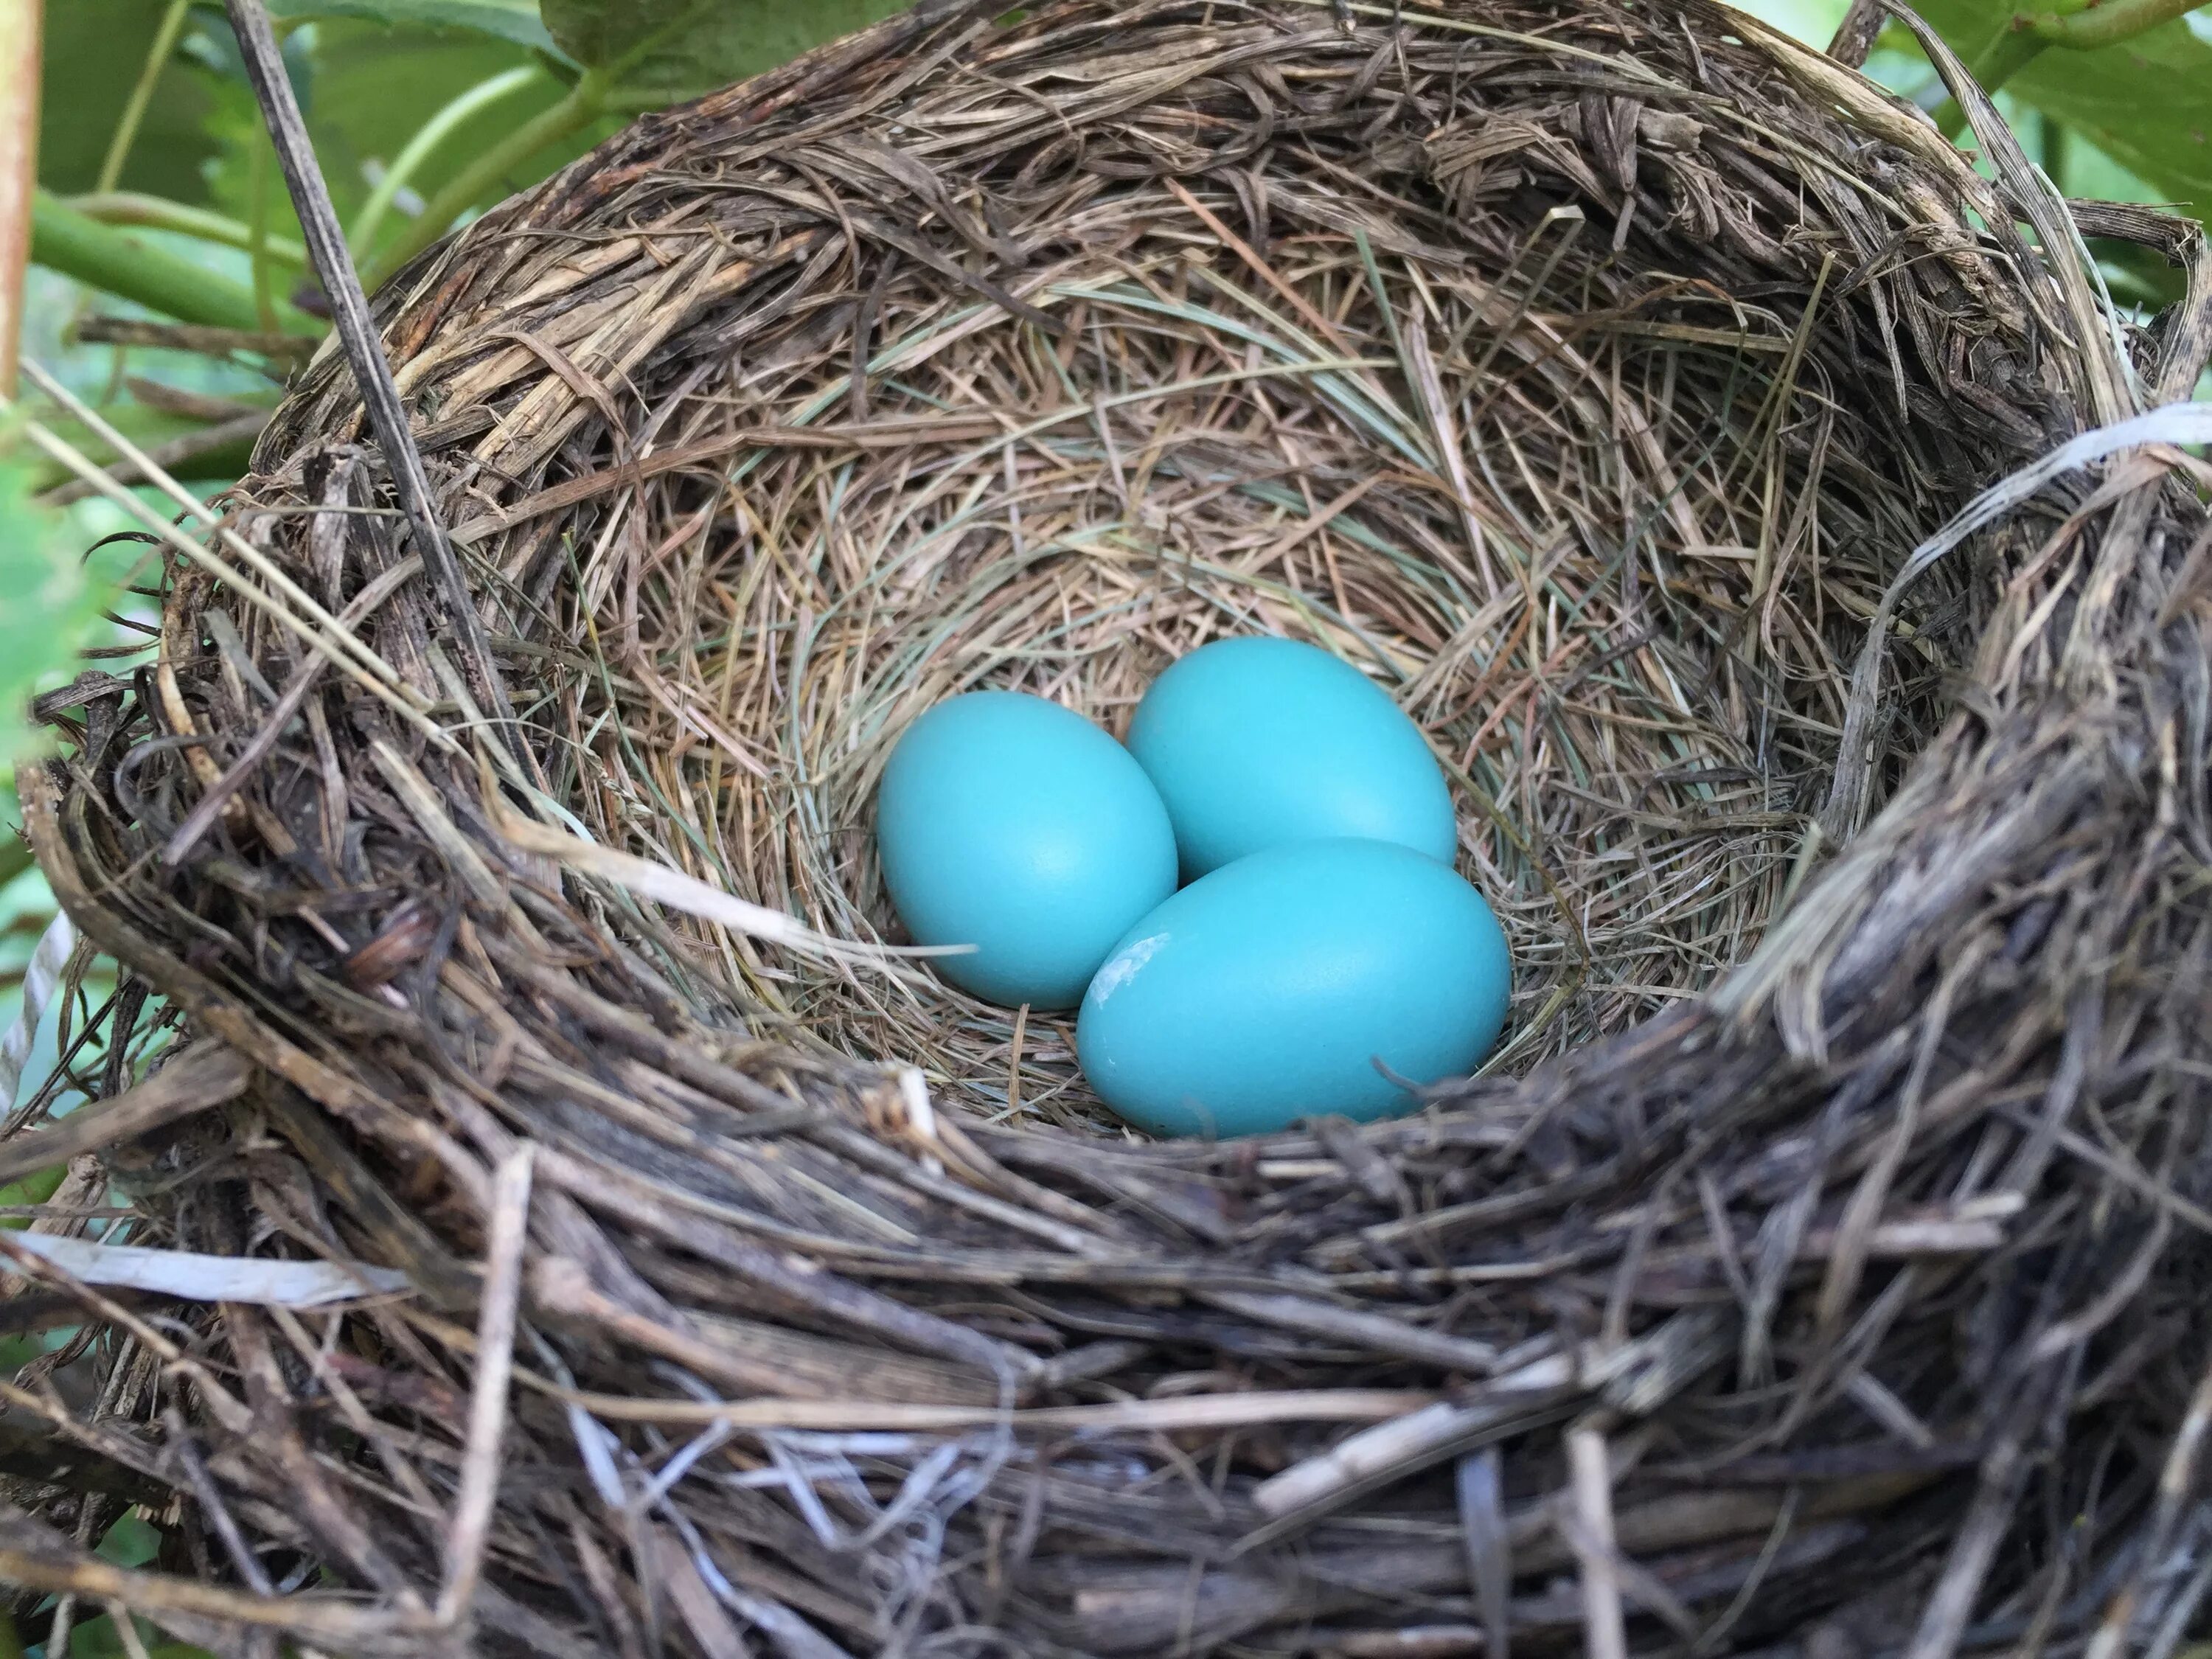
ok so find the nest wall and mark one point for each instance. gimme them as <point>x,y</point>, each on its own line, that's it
<point>1816,1263</point>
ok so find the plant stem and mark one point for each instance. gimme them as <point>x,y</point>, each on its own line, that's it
<point>584,104</point>
<point>587,100</point>
<point>142,94</point>
<point>257,229</point>
<point>19,149</point>
<point>641,100</point>
<point>2056,146</point>
<point>79,245</point>
<point>2013,51</point>
<point>2080,25</point>
<point>419,149</point>
<point>2084,27</point>
<point>124,207</point>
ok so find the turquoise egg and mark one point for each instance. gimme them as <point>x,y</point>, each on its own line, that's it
<point>1015,825</point>
<point>1256,742</point>
<point>1269,989</point>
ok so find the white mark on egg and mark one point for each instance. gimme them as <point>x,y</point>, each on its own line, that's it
<point>1126,966</point>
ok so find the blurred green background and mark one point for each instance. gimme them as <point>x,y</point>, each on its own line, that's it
<point>159,204</point>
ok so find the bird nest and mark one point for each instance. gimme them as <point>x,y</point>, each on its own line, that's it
<point>1815,1267</point>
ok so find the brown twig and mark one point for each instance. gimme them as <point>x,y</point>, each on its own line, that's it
<point>232,433</point>
<point>845,1318</point>
<point>195,338</point>
<point>204,1076</point>
<point>364,349</point>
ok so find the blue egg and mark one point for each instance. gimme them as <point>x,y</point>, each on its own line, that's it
<point>1256,742</point>
<point>1015,825</point>
<point>1268,991</point>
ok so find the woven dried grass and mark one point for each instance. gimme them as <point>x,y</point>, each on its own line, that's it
<point>1815,1269</point>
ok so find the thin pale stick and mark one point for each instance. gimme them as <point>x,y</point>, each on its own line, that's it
<point>472,1507</point>
<point>1604,1623</point>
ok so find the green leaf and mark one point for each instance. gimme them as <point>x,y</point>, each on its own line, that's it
<point>233,121</point>
<point>93,53</point>
<point>2146,102</point>
<point>48,606</point>
<point>34,1188</point>
<point>131,1542</point>
<point>513,20</point>
<point>693,45</point>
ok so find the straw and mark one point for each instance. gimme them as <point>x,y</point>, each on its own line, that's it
<point>1818,1266</point>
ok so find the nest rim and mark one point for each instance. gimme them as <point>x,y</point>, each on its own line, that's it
<point>1325,1312</point>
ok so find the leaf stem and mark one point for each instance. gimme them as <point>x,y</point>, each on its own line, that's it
<point>642,100</point>
<point>76,245</point>
<point>124,207</point>
<point>2055,146</point>
<point>2011,52</point>
<point>419,149</point>
<point>592,96</point>
<point>257,229</point>
<point>2078,25</point>
<point>2087,26</point>
<point>142,94</point>
<point>583,105</point>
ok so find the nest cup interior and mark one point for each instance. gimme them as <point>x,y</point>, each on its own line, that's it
<point>1609,533</point>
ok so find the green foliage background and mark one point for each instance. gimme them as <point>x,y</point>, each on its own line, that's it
<point>471,100</point>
